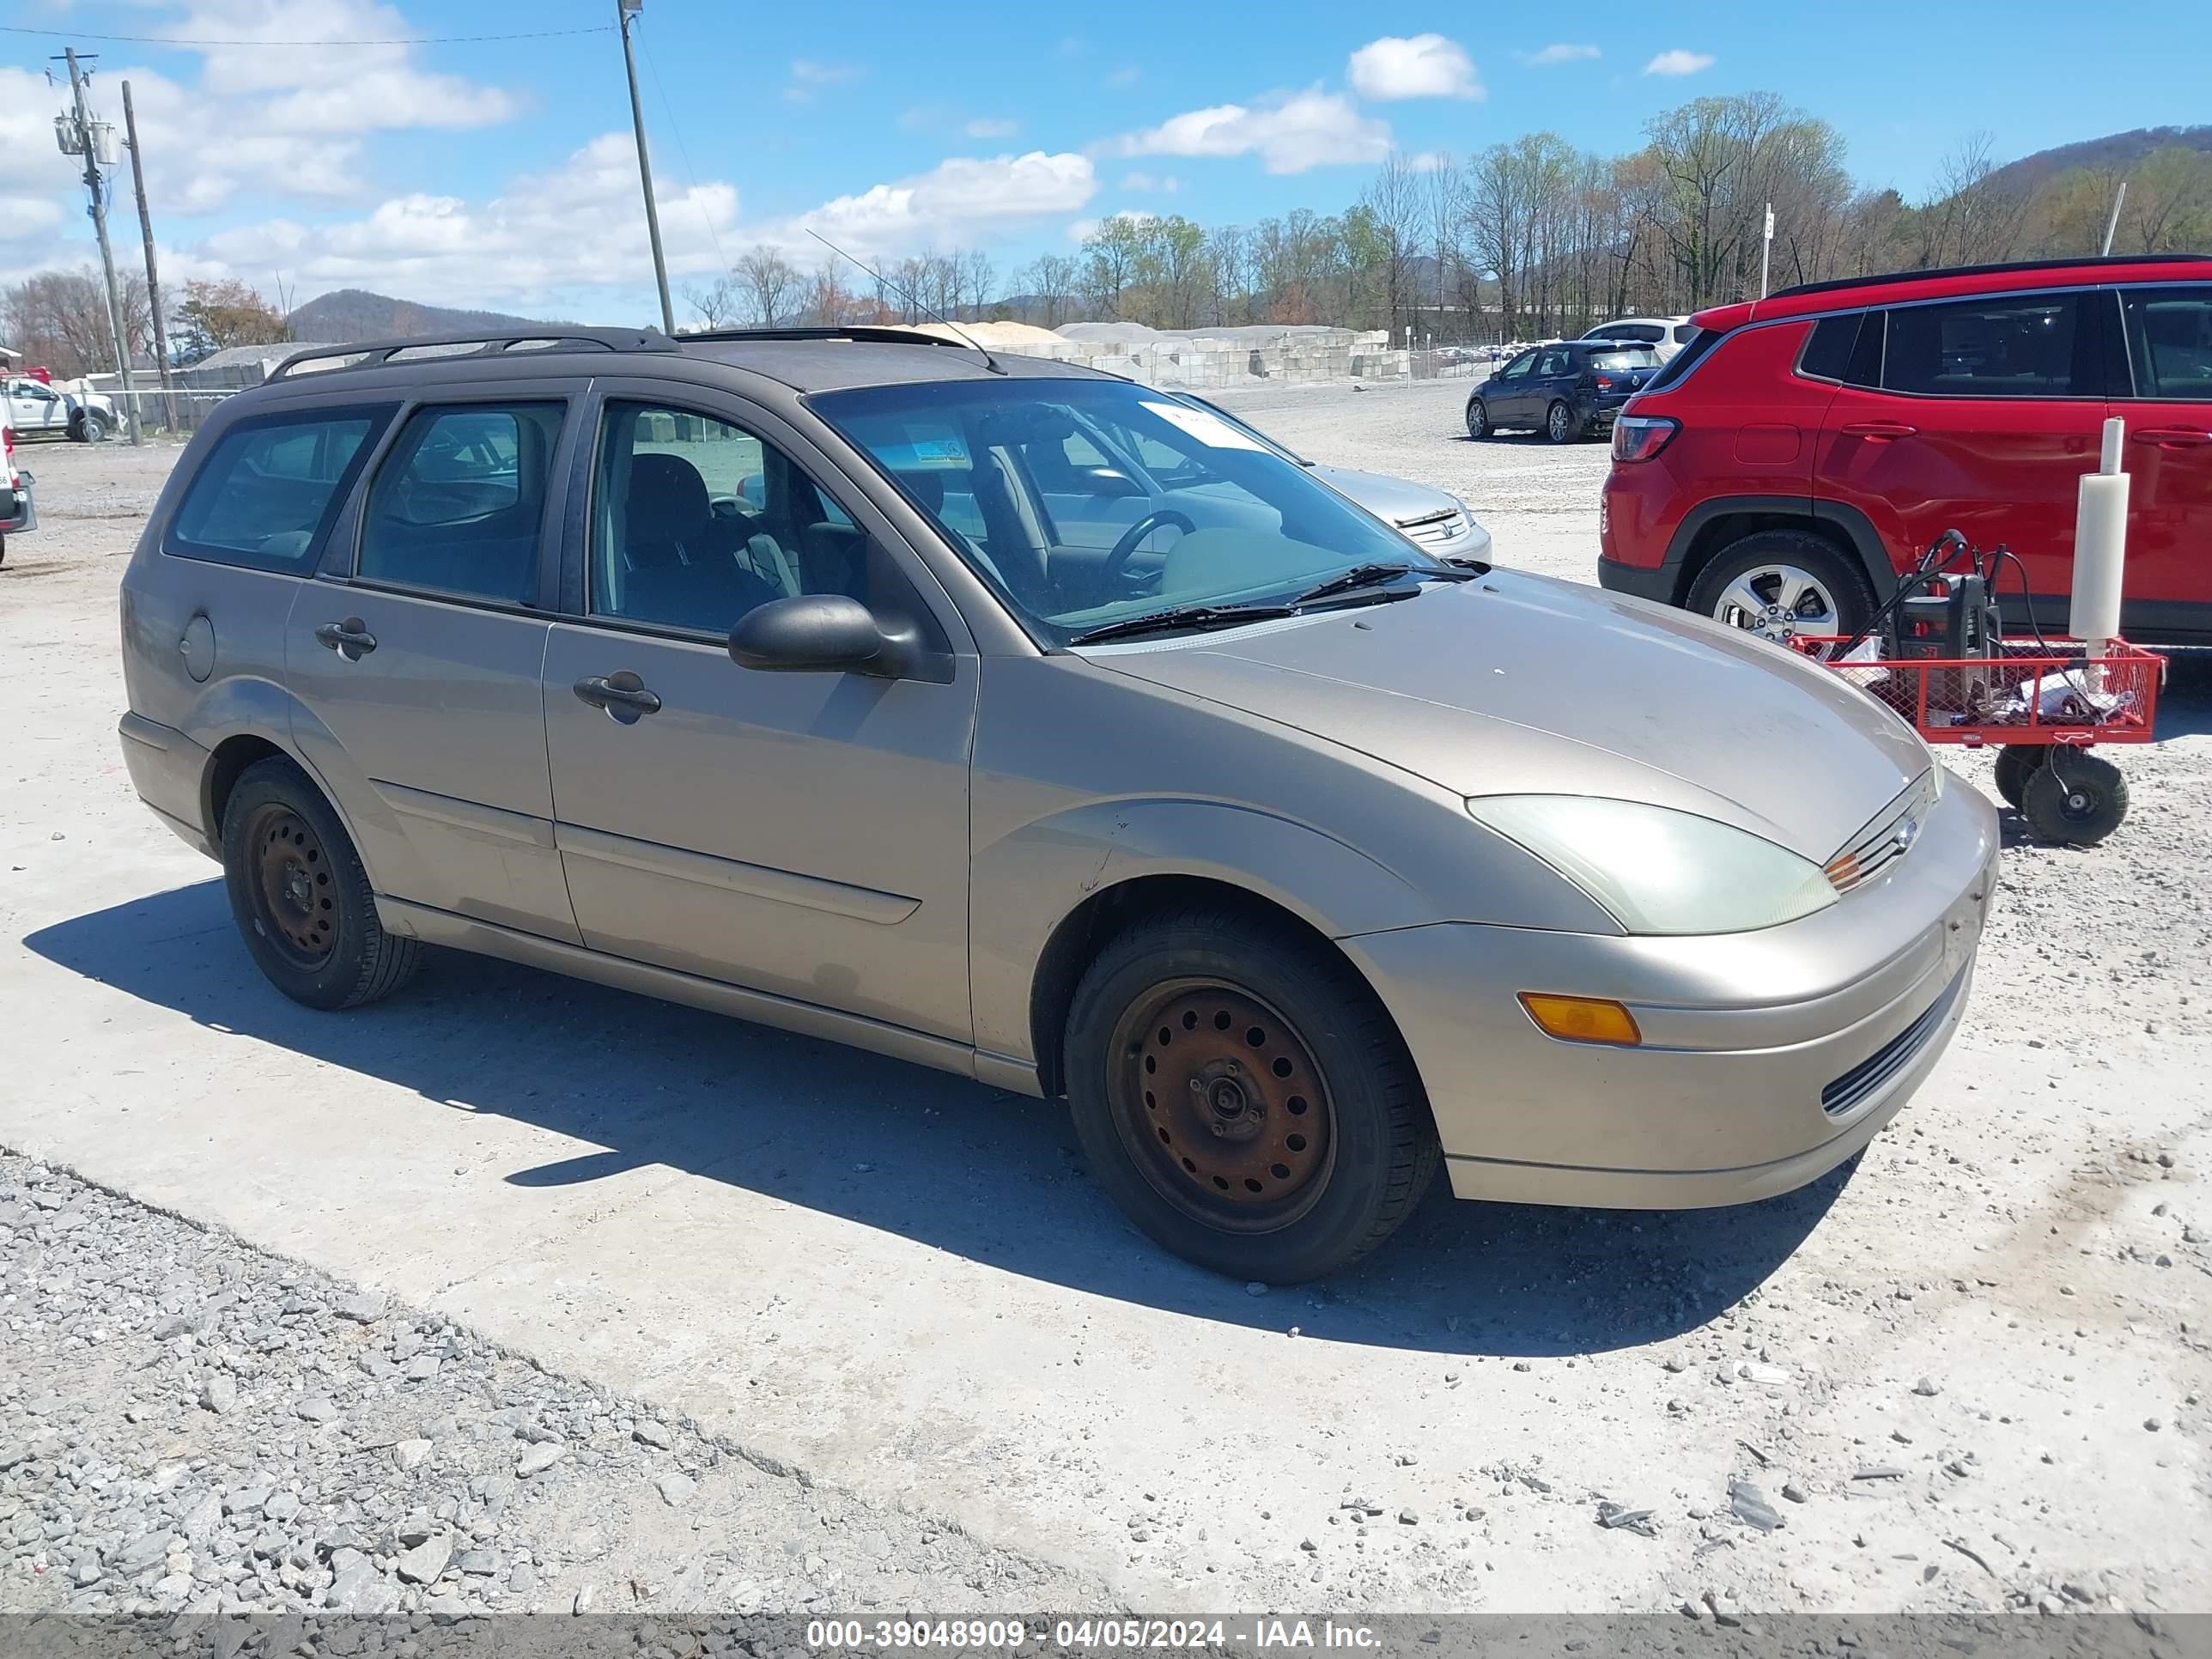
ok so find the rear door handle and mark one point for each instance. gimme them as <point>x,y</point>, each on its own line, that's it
<point>622,694</point>
<point>2172,437</point>
<point>351,639</point>
<point>1879,429</point>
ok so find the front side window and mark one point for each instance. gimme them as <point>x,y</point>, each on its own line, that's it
<point>2021,347</point>
<point>1201,513</point>
<point>268,491</point>
<point>695,521</point>
<point>1519,367</point>
<point>2170,342</point>
<point>458,505</point>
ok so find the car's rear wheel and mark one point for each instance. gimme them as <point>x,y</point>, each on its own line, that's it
<point>1244,1098</point>
<point>1560,425</point>
<point>1478,418</point>
<point>301,898</point>
<point>1778,584</point>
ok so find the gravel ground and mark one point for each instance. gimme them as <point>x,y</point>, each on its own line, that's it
<point>188,1424</point>
<point>2005,1305</point>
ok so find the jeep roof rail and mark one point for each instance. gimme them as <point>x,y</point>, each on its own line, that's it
<point>445,348</point>
<point>1887,277</point>
<point>879,333</point>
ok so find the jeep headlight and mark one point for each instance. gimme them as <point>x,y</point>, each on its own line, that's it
<point>1658,871</point>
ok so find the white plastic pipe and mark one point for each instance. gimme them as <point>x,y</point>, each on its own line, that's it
<point>2100,530</point>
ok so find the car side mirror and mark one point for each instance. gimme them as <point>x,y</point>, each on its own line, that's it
<point>822,633</point>
<point>1107,481</point>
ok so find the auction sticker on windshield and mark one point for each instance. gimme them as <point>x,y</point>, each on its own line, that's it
<point>1209,429</point>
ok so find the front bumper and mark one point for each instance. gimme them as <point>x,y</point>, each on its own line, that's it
<point>1743,1033</point>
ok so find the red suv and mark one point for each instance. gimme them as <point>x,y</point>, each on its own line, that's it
<point>1804,448</point>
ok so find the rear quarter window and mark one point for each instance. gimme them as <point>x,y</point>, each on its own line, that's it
<point>266,495</point>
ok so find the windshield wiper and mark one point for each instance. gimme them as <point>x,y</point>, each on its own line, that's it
<point>1373,575</point>
<point>1186,616</point>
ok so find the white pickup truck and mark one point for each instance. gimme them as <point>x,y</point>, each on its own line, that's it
<point>35,408</point>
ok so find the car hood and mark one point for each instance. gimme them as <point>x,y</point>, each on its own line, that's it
<point>1521,684</point>
<point>1393,500</point>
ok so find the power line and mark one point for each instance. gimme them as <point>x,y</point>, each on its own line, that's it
<point>683,150</point>
<point>405,40</point>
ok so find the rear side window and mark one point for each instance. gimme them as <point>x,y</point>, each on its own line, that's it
<point>2170,342</point>
<point>266,495</point>
<point>2022,347</point>
<point>1687,358</point>
<point>457,505</point>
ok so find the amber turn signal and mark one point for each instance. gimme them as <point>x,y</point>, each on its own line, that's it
<point>1581,1019</point>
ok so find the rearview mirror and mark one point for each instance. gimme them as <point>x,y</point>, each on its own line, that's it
<point>821,633</point>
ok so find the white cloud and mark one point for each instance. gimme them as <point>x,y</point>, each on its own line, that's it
<point>1429,160</point>
<point>1419,66</point>
<point>1122,79</point>
<point>959,200</point>
<point>1564,51</point>
<point>1679,62</point>
<point>987,126</point>
<point>1290,133</point>
<point>809,78</point>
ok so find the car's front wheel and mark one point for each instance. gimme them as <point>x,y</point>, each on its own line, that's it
<point>91,429</point>
<point>1778,584</point>
<point>1560,425</point>
<point>1244,1098</point>
<point>300,896</point>
<point>1478,418</point>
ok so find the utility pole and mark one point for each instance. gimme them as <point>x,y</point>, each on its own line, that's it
<point>624,10</point>
<point>97,186</point>
<point>2112,225</point>
<point>153,273</point>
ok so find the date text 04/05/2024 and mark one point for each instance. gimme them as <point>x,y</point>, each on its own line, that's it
<point>1084,1635</point>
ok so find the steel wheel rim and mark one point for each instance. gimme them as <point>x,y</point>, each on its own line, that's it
<point>1560,423</point>
<point>1778,602</point>
<point>295,896</point>
<point>1222,1105</point>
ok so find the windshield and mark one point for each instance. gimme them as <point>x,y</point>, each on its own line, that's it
<point>1089,504</point>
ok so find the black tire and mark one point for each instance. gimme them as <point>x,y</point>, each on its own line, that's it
<point>1329,1178</point>
<point>1478,420</point>
<point>1839,572</point>
<point>2075,799</point>
<point>1560,425</point>
<point>90,428</point>
<point>301,900</point>
<point>3,549</point>
<point>2016,763</point>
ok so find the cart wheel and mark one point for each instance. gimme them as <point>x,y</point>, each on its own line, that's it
<point>2016,763</point>
<point>2077,800</point>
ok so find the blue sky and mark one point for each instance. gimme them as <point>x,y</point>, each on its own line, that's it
<point>500,172</point>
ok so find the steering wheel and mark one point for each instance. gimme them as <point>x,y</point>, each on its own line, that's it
<point>1118,557</point>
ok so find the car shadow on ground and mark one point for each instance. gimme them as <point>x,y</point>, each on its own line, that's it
<point>2185,703</point>
<point>948,1162</point>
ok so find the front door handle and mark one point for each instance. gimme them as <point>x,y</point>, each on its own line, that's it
<point>1881,431</point>
<point>2172,437</point>
<point>622,694</point>
<point>351,639</point>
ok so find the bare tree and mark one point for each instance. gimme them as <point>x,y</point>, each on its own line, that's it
<point>716,305</point>
<point>980,276</point>
<point>60,319</point>
<point>1972,217</point>
<point>770,284</point>
<point>1051,280</point>
<point>1392,213</point>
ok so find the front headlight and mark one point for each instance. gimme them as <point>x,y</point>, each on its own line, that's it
<point>1658,871</point>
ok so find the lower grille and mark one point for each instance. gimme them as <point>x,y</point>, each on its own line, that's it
<point>1870,1074</point>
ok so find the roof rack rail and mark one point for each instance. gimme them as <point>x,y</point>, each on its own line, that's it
<point>880,333</point>
<point>1887,277</point>
<point>446,348</point>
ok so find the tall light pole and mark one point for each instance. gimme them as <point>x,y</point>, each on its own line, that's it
<point>87,144</point>
<point>624,10</point>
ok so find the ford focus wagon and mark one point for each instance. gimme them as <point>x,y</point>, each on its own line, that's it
<point>1018,720</point>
